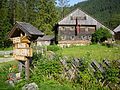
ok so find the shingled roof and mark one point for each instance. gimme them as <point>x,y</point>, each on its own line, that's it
<point>117,29</point>
<point>26,28</point>
<point>79,13</point>
<point>46,38</point>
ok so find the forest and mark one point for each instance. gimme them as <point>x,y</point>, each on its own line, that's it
<point>44,14</point>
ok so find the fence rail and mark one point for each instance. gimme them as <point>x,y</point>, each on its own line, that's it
<point>6,52</point>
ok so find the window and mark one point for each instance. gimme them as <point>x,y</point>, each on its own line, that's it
<point>91,29</point>
<point>63,37</point>
<point>78,17</point>
<point>89,37</point>
<point>72,37</point>
<point>84,37</point>
<point>67,28</point>
<point>82,29</point>
<point>73,28</point>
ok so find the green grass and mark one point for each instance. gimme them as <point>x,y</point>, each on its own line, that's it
<point>93,52</point>
<point>8,63</point>
<point>6,49</point>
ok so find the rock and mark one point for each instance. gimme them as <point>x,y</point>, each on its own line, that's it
<point>31,86</point>
<point>18,76</point>
<point>10,82</point>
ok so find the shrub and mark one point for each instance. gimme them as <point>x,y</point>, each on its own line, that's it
<point>109,45</point>
<point>53,48</point>
<point>4,71</point>
<point>101,35</point>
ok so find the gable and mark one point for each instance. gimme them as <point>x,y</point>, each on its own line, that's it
<point>117,29</point>
<point>82,17</point>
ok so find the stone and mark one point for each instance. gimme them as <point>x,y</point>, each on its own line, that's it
<point>10,82</point>
<point>31,86</point>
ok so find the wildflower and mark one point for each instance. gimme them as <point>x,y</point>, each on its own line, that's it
<point>13,66</point>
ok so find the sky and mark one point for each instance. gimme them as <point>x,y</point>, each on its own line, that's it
<point>72,2</point>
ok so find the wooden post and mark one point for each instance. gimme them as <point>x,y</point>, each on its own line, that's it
<point>27,74</point>
<point>20,67</point>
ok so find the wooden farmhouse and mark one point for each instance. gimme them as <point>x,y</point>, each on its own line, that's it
<point>45,40</point>
<point>76,28</point>
<point>117,33</point>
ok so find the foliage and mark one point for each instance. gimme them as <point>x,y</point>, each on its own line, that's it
<point>63,4</point>
<point>53,48</point>
<point>46,16</point>
<point>101,35</point>
<point>4,71</point>
<point>6,49</point>
<point>112,73</point>
<point>4,24</point>
<point>40,13</point>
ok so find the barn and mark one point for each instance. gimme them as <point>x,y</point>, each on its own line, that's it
<point>117,33</point>
<point>76,28</point>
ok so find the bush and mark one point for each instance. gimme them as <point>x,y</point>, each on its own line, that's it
<point>101,35</point>
<point>5,69</point>
<point>109,45</point>
<point>53,48</point>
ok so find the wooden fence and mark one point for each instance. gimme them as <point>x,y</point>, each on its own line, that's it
<point>71,70</point>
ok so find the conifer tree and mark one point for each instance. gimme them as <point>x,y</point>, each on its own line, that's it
<point>63,4</point>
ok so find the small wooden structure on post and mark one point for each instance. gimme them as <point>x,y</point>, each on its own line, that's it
<point>22,34</point>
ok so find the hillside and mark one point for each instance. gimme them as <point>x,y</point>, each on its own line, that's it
<point>105,11</point>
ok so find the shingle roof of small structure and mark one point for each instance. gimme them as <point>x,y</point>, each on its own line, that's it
<point>26,28</point>
<point>117,29</point>
<point>46,38</point>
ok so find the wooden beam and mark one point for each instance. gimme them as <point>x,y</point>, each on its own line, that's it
<point>20,67</point>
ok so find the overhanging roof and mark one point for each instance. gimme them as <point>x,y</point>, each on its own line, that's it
<point>26,28</point>
<point>46,38</point>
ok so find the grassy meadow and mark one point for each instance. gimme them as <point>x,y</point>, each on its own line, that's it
<point>92,52</point>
